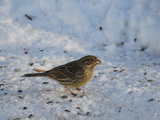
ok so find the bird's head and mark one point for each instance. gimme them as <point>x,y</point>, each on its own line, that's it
<point>89,61</point>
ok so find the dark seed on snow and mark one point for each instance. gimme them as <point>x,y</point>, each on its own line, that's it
<point>115,70</point>
<point>30,116</point>
<point>20,97</point>
<point>88,113</point>
<point>64,96</point>
<point>16,118</point>
<point>19,90</point>
<point>151,99</point>
<point>2,66</point>
<point>49,102</point>
<point>48,90</point>
<point>41,50</point>
<point>26,52</point>
<point>66,110</point>
<point>45,83</point>
<point>150,80</point>
<point>17,70</point>
<point>78,113</point>
<point>30,64</point>
<point>122,70</point>
<point>100,28</point>
<point>57,102</point>
<point>142,49</point>
<point>119,109</point>
<point>25,108</point>
<point>29,17</point>
<point>145,73</point>
<point>135,39</point>
<point>1,85</point>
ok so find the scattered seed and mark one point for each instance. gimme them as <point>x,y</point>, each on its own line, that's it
<point>5,93</point>
<point>119,109</point>
<point>41,50</point>
<point>45,83</point>
<point>143,49</point>
<point>104,45</point>
<point>16,118</point>
<point>115,70</point>
<point>112,78</point>
<point>26,52</point>
<point>29,17</point>
<point>25,108</point>
<point>22,80</point>
<point>88,113</point>
<point>57,102</point>
<point>19,90</point>
<point>120,44</point>
<point>130,92</point>
<point>74,95</point>
<point>30,116</point>
<point>82,95</point>
<point>48,90</point>
<point>150,80</point>
<point>67,110</point>
<point>115,67</point>
<point>2,66</point>
<point>79,113</point>
<point>122,70</point>
<point>17,70</point>
<point>155,64</point>
<point>78,107</point>
<point>64,96</point>
<point>151,99</point>
<point>1,85</point>
<point>70,100</point>
<point>20,97</point>
<point>49,102</point>
<point>135,39</point>
<point>145,73</point>
<point>100,28</point>
<point>30,64</point>
<point>65,51</point>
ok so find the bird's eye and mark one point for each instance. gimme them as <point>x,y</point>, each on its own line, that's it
<point>91,59</point>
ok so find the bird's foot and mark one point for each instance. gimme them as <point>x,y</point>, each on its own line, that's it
<point>71,92</point>
<point>78,89</point>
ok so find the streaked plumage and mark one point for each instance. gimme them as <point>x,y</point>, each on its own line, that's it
<point>73,74</point>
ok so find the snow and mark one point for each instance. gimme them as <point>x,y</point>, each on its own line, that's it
<point>124,35</point>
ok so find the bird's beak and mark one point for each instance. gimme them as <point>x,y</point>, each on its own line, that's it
<point>98,61</point>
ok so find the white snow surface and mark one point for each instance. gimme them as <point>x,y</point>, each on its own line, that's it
<point>123,34</point>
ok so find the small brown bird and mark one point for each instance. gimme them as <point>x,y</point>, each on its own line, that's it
<point>73,74</point>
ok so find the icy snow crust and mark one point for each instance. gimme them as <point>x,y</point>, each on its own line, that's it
<point>123,34</point>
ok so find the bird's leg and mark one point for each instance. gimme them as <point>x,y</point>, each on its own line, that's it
<point>71,92</point>
<point>78,89</point>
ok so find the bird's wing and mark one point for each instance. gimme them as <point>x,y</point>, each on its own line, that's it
<point>68,70</point>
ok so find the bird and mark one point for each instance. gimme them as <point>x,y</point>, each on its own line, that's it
<point>73,74</point>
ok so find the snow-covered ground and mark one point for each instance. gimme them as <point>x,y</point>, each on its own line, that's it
<point>123,34</point>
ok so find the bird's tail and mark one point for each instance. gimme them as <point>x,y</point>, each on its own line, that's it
<point>34,75</point>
